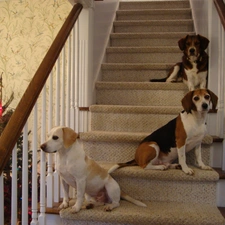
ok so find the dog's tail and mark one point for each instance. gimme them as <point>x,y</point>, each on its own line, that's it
<point>120,165</point>
<point>158,80</point>
<point>125,196</point>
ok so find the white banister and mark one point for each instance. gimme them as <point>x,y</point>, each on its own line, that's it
<point>63,82</point>
<point>1,200</point>
<point>57,123</point>
<point>42,216</point>
<point>68,77</point>
<point>34,194</point>
<point>25,177</point>
<point>14,187</point>
<point>49,178</point>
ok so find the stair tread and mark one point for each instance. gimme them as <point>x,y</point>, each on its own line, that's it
<point>135,109</point>
<point>155,213</point>
<point>152,22</point>
<point>150,49</point>
<point>153,11</point>
<point>170,174</point>
<point>140,85</point>
<point>137,66</point>
<point>110,136</point>
<point>161,35</point>
<point>154,4</point>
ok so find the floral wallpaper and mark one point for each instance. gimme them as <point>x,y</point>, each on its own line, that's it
<point>27,29</point>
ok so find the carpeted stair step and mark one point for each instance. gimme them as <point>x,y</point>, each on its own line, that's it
<point>150,185</point>
<point>156,213</point>
<point>140,93</point>
<point>143,54</point>
<point>132,5</point>
<point>146,39</point>
<point>143,26</point>
<point>121,146</point>
<point>130,72</point>
<point>131,118</point>
<point>154,14</point>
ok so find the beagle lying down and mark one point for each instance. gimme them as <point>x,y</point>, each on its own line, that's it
<point>193,69</point>
<point>81,172</point>
<point>159,150</point>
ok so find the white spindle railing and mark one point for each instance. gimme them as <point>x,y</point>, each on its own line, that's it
<point>58,104</point>
<point>25,176</point>
<point>34,204</point>
<point>14,187</point>
<point>1,200</point>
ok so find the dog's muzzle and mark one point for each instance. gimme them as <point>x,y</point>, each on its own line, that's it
<point>44,147</point>
<point>192,51</point>
<point>205,106</point>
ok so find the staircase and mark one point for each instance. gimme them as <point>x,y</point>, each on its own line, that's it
<point>129,107</point>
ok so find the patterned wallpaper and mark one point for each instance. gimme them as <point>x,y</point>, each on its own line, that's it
<point>27,29</point>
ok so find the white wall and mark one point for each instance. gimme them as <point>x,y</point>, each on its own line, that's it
<point>104,14</point>
<point>200,15</point>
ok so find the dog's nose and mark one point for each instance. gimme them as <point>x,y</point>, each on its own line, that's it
<point>205,106</point>
<point>192,50</point>
<point>43,147</point>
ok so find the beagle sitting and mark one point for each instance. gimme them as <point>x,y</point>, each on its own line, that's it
<point>79,171</point>
<point>159,150</point>
<point>194,66</point>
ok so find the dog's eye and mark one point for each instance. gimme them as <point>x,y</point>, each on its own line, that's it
<point>196,98</point>
<point>197,43</point>
<point>188,43</point>
<point>55,137</point>
<point>207,97</point>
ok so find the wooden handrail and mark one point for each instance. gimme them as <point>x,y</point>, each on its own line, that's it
<point>220,6</point>
<point>18,119</point>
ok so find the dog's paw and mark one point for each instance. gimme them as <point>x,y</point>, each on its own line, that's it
<point>188,171</point>
<point>75,209</point>
<point>64,205</point>
<point>164,167</point>
<point>204,167</point>
<point>108,208</point>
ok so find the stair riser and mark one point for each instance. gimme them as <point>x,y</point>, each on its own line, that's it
<point>130,42</point>
<point>125,151</point>
<point>175,191</point>
<point>129,122</point>
<point>140,97</point>
<point>154,5</point>
<point>143,57</point>
<point>132,75</point>
<point>152,28</point>
<point>173,16</point>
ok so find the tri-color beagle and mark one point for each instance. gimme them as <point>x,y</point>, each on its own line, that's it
<point>180,135</point>
<point>81,172</point>
<point>193,69</point>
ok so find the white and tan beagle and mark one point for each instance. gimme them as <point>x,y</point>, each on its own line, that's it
<point>193,69</point>
<point>161,148</point>
<point>81,172</point>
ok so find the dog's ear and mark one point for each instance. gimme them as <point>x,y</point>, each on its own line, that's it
<point>214,99</point>
<point>204,42</point>
<point>187,102</point>
<point>182,42</point>
<point>69,137</point>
